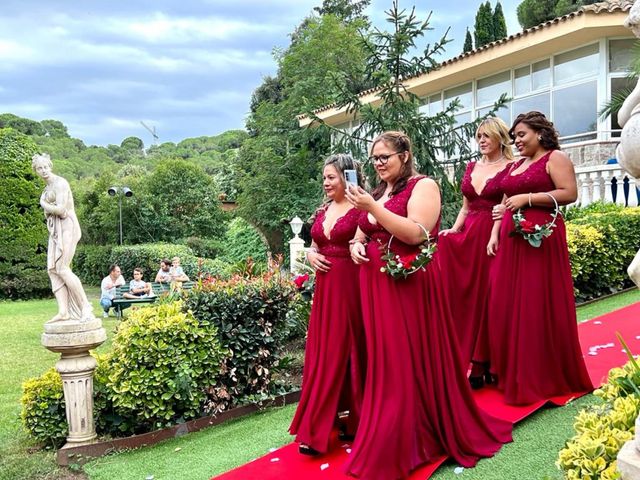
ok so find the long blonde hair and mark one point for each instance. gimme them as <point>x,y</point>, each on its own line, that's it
<point>497,129</point>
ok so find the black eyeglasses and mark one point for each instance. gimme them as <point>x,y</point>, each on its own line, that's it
<point>382,159</point>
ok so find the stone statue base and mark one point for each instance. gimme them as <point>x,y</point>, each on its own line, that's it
<point>73,339</point>
<point>629,457</point>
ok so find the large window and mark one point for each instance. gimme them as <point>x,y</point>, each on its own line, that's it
<point>462,93</point>
<point>576,64</point>
<point>575,109</point>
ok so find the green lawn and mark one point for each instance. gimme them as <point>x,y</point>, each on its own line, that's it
<point>203,454</point>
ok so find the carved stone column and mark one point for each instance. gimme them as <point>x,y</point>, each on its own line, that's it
<point>73,339</point>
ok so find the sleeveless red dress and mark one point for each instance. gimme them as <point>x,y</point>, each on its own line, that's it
<point>417,401</point>
<point>465,266</point>
<point>333,375</point>
<point>532,315</point>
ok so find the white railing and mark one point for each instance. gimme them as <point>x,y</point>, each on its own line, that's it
<point>608,183</point>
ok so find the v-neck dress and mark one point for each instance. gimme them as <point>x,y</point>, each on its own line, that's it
<point>534,343</point>
<point>334,362</point>
<point>466,266</point>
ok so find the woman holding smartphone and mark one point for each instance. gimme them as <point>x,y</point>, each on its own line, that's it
<point>334,367</point>
<point>417,403</point>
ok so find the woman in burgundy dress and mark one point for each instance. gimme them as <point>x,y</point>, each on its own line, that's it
<point>464,250</point>
<point>417,402</point>
<point>333,374</point>
<point>534,346</point>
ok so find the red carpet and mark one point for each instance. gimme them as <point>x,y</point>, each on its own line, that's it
<point>599,346</point>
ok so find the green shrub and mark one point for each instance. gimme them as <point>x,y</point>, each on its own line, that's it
<point>147,256</point>
<point>242,241</point>
<point>162,364</point>
<point>43,408</point>
<point>204,247</point>
<point>602,430</point>
<point>23,234</point>
<point>601,246</point>
<point>250,316</point>
<point>91,263</point>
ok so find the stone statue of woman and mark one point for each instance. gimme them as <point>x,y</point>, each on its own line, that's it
<point>64,234</point>
<point>628,151</point>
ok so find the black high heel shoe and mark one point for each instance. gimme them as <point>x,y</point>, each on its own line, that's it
<point>307,450</point>
<point>485,377</point>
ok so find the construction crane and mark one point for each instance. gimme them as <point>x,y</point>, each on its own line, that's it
<point>152,131</point>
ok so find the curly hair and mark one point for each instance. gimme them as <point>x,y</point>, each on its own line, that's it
<point>536,121</point>
<point>400,143</point>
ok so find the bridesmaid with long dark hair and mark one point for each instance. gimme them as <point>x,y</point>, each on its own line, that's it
<point>465,250</point>
<point>417,402</point>
<point>534,347</point>
<point>333,372</point>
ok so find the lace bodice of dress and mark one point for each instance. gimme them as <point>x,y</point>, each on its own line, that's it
<point>490,195</point>
<point>534,179</point>
<point>398,205</point>
<point>343,230</point>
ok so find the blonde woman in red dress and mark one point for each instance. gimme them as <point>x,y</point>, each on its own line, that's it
<point>417,403</point>
<point>465,250</point>
<point>333,374</point>
<point>534,345</point>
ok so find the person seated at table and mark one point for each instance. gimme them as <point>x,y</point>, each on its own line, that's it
<point>176,271</point>
<point>164,274</point>
<point>138,288</point>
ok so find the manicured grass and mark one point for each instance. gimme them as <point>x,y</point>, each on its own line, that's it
<point>218,449</point>
<point>21,357</point>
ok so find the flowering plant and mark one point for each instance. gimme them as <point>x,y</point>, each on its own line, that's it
<point>305,283</point>
<point>533,232</point>
<point>401,266</point>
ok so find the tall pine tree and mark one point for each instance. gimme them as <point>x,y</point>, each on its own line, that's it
<point>468,42</point>
<point>499,23</point>
<point>484,25</point>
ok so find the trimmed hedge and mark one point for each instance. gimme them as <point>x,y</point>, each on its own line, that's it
<point>601,246</point>
<point>250,315</point>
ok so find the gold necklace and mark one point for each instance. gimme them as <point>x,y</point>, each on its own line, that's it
<point>485,162</point>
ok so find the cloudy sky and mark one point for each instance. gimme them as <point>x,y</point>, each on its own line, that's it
<point>186,67</point>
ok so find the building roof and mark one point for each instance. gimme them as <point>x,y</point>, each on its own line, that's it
<point>604,7</point>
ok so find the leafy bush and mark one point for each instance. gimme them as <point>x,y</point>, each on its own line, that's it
<point>249,314</point>
<point>204,247</point>
<point>23,235</point>
<point>242,241</point>
<point>601,246</point>
<point>162,362</point>
<point>602,430</point>
<point>91,263</point>
<point>43,408</point>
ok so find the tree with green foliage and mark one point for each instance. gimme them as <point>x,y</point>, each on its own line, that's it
<point>280,164</point>
<point>390,60</point>
<point>499,23</point>
<point>346,10</point>
<point>468,42</point>
<point>484,25</point>
<point>23,234</point>
<point>535,12</point>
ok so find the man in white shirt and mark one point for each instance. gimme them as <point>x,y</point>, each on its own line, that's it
<point>108,288</point>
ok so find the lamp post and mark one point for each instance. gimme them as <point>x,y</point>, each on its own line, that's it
<point>296,244</point>
<point>120,192</point>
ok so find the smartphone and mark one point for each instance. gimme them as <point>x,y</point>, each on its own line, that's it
<point>351,177</point>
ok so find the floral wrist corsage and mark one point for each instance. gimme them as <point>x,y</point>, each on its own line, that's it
<point>397,266</point>
<point>532,232</point>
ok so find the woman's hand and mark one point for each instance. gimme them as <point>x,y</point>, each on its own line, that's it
<point>359,198</point>
<point>318,261</point>
<point>497,212</point>
<point>492,246</point>
<point>446,232</point>
<point>359,253</point>
<point>517,201</point>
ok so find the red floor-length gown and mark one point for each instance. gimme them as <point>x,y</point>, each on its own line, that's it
<point>417,402</point>
<point>334,355</point>
<point>465,266</point>
<point>532,324</point>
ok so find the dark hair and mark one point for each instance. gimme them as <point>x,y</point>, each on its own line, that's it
<point>112,267</point>
<point>536,121</point>
<point>400,143</point>
<point>166,261</point>
<point>137,269</point>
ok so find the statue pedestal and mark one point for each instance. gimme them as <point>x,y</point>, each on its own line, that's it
<point>629,457</point>
<point>73,340</point>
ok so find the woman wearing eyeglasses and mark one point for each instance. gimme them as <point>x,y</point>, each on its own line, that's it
<point>466,250</point>
<point>417,402</point>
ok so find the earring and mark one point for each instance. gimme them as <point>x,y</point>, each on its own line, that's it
<point>539,137</point>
